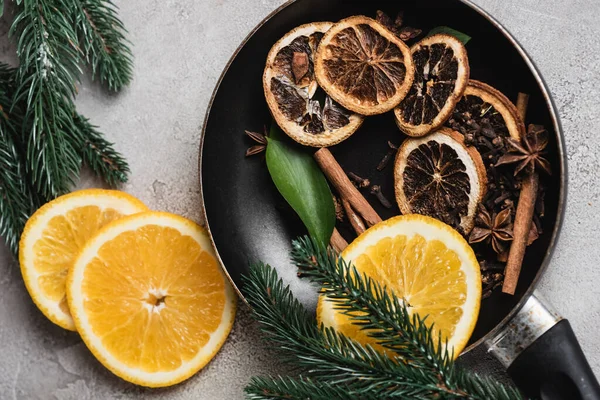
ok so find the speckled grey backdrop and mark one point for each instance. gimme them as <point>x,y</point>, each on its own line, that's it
<point>180,48</point>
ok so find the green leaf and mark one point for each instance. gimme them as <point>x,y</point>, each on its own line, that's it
<point>302,183</point>
<point>463,37</point>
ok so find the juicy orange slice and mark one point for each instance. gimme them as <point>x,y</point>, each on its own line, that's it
<point>53,237</point>
<point>424,262</point>
<point>150,300</point>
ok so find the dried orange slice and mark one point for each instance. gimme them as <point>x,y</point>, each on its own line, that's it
<point>483,106</point>
<point>307,116</point>
<point>364,66</point>
<point>437,175</point>
<point>424,262</point>
<point>150,300</point>
<point>53,237</point>
<point>441,76</point>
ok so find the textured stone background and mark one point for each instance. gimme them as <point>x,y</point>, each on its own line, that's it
<point>181,46</point>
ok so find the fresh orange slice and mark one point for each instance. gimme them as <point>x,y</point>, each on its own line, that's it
<point>53,237</point>
<point>150,300</point>
<point>424,262</point>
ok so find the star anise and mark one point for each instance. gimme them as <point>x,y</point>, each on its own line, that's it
<point>528,154</point>
<point>496,228</point>
<point>260,138</point>
<point>403,32</point>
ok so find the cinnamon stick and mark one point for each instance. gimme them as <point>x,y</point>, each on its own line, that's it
<point>522,102</point>
<point>523,217</point>
<point>337,241</point>
<point>355,220</point>
<point>521,229</point>
<point>344,187</point>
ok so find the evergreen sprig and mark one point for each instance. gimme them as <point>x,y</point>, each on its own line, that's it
<point>99,154</point>
<point>416,365</point>
<point>15,199</point>
<point>46,79</point>
<point>286,388</point>
<point>43,140</point>
<point>102,38</point>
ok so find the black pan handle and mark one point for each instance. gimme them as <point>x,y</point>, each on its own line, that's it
<point>555,368</point>
<point>542,355</point>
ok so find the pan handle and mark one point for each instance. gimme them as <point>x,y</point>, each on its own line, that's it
<point>542,355</point>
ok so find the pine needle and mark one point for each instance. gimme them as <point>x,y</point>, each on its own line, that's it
<point>102,38</point>
<point>99,154</point>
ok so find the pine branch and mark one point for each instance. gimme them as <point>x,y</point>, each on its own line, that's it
<point>285,388</point>
<point>99,154</point>
<point>381,314</point>
<point>335,359</point>
<point>323,352</point>
<point>15,199</point>
<point>46,79</point>
<point>102,38</point>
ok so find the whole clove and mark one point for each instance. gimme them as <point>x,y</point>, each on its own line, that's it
<point>376,191</point>
<point>388,156</point>
<point>358,181</point>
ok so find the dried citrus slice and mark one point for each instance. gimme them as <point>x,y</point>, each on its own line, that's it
<point>364,66</point>
<point>437,175</point>
<point>424,262</point>
<point>150,300</point>
<point>292,94</point>
<point>441,76</point>
<point>484,107</point>
<point>53,237</point>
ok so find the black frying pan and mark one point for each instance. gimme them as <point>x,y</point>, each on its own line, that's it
<point>250,221</point>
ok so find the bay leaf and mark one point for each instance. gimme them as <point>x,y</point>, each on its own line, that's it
<point>463,37</point>
<point>302,184</point>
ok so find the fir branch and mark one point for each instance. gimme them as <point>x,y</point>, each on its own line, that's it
<point>46,79</point>
<point>102,38</point>
<point>284,388</point>
<point>374,308</point>
<point>99,154</point>
<point>324,353</point>
<point>335,359</point>
<point>15,199</point>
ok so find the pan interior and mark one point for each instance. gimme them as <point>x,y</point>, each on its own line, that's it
<point>250,221</point>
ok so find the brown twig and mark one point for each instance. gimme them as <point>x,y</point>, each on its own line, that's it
<point>344,187</point>
<point>355,220</point>
<point>523,217</point>
<point>337,241</point>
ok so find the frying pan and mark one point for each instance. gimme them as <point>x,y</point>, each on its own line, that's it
<point>248,219</point>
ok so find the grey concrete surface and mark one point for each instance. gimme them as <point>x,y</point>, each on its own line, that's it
<point>180,48</point>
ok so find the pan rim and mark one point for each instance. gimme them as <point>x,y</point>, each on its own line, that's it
<point>561,148</point>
